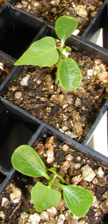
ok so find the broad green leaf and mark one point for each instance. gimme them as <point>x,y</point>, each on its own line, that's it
<point>78,200</point>
<point>42,53</point>
<point>27,161</point>
<point>64,27</point>
<point>44,197</point>
<point>69,74</point>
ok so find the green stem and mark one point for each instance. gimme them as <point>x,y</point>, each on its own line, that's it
<point>58,184</point>
<point>62,43</point>
<point>60,58</point>
<point>52,180</point>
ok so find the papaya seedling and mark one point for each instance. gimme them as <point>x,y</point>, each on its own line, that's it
<point>44,52</point>
<point>26,160</point>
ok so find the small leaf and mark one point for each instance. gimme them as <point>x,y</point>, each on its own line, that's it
<point>67,49</point>
<point>78,200</point>
<point>53,170</point>
<point>42,53</point>
<point>27,161</point>
<point>44,197</point>
<point>64,27</point>
<point>69,74</point>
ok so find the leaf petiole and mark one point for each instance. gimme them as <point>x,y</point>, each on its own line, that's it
<point>53,170</point>
<point>59,61</point>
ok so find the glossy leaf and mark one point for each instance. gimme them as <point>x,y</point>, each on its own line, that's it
<point>27,161</point>
<point>64,27</point>
<point>69,74</point>
<point>42,53</point>
<point>78,200</point>
<point>44,197</point>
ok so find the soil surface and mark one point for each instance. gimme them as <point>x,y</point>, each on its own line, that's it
<point>17,208</point>
<point>72,113</point>
<point>2,2</point>
<point>4,71</point>
<point>82,10</point>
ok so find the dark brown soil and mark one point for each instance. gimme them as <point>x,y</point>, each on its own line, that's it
<point>4,71</point>
<point>82,10</point>
<point>2,2</point>
<point>76,169</point>
<point>72,113</point>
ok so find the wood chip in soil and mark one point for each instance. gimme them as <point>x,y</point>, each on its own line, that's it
<point>4,71</point>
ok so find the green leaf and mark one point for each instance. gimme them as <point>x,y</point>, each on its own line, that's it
<point>67,49</point>
<point>44,197</point>
<point>64,27</point>
<point>42,53</point>
<point>69,74</point>
<point>78,200</point>
<point>27,161</point>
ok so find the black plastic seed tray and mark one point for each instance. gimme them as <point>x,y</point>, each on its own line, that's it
<point>6,65</point>
<point>98,25</point>
<point>48,130</point>
<point>17,31</point>
<point>15,129</point>
<point>87,151</point>
<point>4,58</point>
<point>79,46</point>
<point>5,178</point>
<point>82,151</point>
<point>101,114</point>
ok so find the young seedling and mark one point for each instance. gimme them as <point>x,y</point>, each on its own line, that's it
<point>44,52</point>
<point>26,160</point>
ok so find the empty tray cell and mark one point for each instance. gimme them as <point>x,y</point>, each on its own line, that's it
<point>17,30</point>
<point>2,177</point>
<point>14,131</point>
